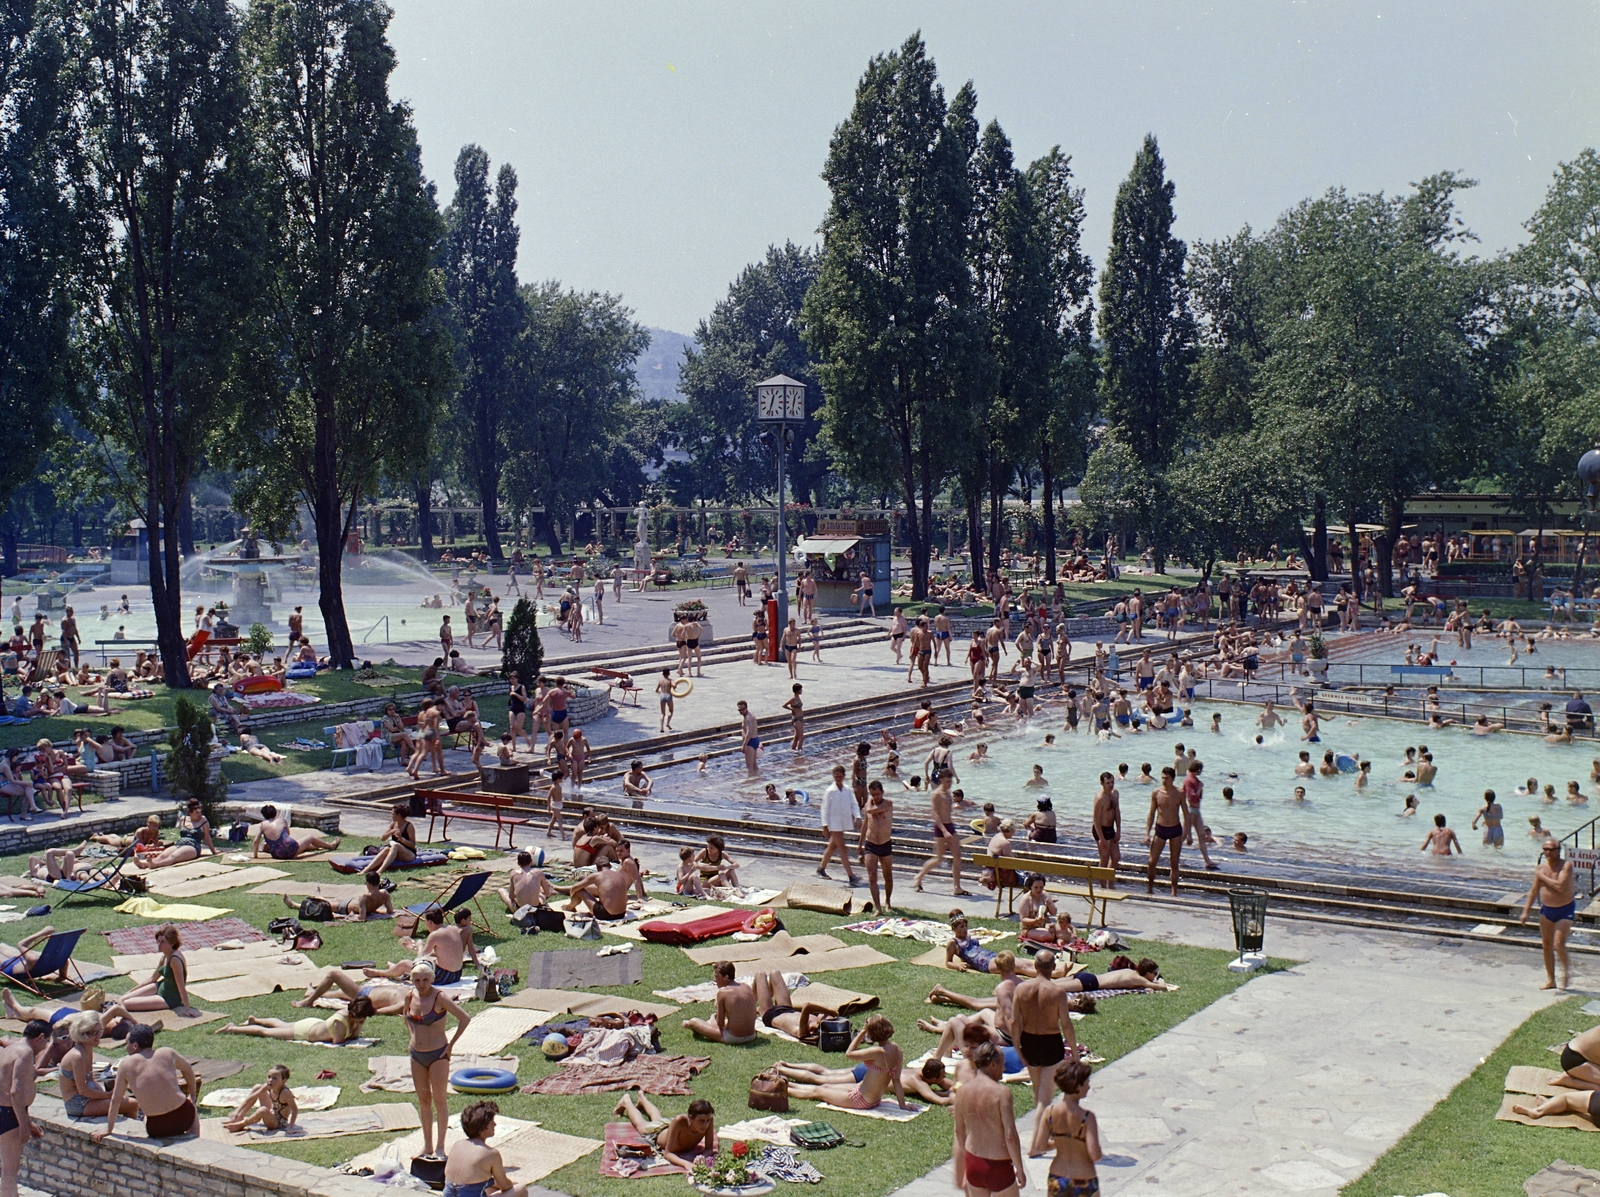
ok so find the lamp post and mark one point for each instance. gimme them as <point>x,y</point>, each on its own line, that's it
<point>780,403</point>
<point>1589,475</point>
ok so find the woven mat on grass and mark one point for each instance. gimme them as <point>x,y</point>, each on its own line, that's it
<point>776,947</point>
<point>307,1097</point>
<point>206,964</point>
<point>568,1001</point>
<point>127,941</point>
<point>1524,1078</point>
<point>311,889</point>
<point>194,887</point>
<point>322,1124</point>
<point>264,979</point>
<point>528,1151</point>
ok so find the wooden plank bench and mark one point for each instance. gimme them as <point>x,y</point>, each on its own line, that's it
<point>1094,878</point>
<point>498,804</point>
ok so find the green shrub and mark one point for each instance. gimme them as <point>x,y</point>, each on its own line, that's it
<point>260,642</point>
<point>188,764</point>
<point>523,650</point>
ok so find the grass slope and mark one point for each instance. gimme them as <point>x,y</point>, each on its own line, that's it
<point>1122,1025</point>
<point>1459,1148</point>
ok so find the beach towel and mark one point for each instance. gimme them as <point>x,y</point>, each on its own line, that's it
<point>667,1075</point>
<point>131,940</point>
<point>618,1168</point>
<point>528,1151</point>
<point>149,908</point>
<point>321,1124</point>
<point>308,1098</point>
<point>195,887</point>
<point>350,865</point>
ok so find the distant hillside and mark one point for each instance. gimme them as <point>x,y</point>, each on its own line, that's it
<point>657,367</point>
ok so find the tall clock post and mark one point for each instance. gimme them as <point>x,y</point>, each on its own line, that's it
<point>780,404</point>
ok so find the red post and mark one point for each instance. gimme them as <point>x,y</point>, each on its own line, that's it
<point>774,632</point>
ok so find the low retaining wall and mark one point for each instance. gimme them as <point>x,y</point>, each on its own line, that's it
<point>115,818</point>
<point>67,1162</point>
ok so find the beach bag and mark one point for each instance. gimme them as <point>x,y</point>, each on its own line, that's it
<point>769,1091</point>
<point>308,941</point>
<point>549,920</point>
<point>285,929</point>
<point>526,920</point>
<point>428,1170</point>
<point>816,1136</point>
<point>581,927</point>
<point>316,910</point>
<point>488,988</point>
<point>834,1034</point>
<point>238,832</point>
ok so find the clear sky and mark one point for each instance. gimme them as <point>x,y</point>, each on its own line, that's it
<point>663,145</point>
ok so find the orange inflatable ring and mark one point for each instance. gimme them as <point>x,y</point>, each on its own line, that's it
<point>259,684</point>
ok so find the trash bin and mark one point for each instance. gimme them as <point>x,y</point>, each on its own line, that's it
<point>1249,909</point>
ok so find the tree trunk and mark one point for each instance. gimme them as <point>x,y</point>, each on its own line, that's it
<point>77,529</point>
<point>489,496</point>
<point>1538,557</point>
<point>974,500</point>
<point>1319,538</point>
<point>332,523</point>
<point>186,524</point>
<point>1047,481</point>
<point>997,523</point>
<point>544,527</point>
<point>920,527</point>
<point>1394,513</point>
<point>425,520</point>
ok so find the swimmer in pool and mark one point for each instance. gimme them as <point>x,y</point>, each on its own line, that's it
<point>1299,793</point>
<point>1411,806</point>
<point>1259,741</point>
<point>1240,839</point>
<point>1363,775</point>
<point>1549,792</point>
<point>1038,779</point>
<point>1530,790</point>
<point>1216,723</point>
<point>1269,718</point>
<point>1441,839</point>
<point>1536,828</point>
<point>1482,726</point>
<point>1328,768</point>
<point>1304,768</point>
<point>1574,794</point>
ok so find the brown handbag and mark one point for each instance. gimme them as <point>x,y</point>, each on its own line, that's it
<point>769,1091</point>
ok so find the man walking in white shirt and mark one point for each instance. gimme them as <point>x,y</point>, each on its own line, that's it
<point>839,812</point>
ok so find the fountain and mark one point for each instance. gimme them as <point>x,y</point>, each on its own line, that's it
<point>252,583</point>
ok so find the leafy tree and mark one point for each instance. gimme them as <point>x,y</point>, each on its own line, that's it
<point>480,272</point>
<point>170,275</point>
<point>1377,358</point>
<point>890,314</point>
<point>523,651</point>
<point>1145,322</point>
<point>189,762</point>
<point>1562,259</point>
<point>1115,494</point>
<point>572,386</point>
<point>1072,372</point>
<point>355,353</point>
<point>39,170</point>
<point>752,334</point>
<point>1238,491</point>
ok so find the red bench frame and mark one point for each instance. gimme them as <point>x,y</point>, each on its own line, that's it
<point>499,803</point>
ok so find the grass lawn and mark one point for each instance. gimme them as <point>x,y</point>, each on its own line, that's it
<point>1459,1148</point>
<point>1120,1026</point>
<point>155,712</point>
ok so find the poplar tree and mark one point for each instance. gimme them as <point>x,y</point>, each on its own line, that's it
<point>1146,327</point>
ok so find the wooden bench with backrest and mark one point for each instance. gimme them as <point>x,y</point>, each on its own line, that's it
<point>1013,872</point>
<point>498,807</point>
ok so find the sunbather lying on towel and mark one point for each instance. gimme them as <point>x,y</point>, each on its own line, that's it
<point>1124,974</point>
<point>1584,1105</point>
<point>387,997</point>
<point>1580,1060</point>
<point>776,1007</point>
<point>375,903</point>
<point>928,1082</point>
<point>334,1029</point>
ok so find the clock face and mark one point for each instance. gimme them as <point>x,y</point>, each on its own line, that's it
<point>794,403</point>
<point>769,404</point>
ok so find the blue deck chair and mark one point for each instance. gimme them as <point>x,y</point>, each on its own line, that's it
<point>466,890</point>
<point>55,956</point>
<point>107,876</point>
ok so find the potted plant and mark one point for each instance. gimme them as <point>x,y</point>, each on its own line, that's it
<point>1317,652</point>
<point>731,1175</point>
<point>696,610</point>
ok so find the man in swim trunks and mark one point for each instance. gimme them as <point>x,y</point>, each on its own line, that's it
<point>734,1018</point>
<point>749,737</point>
<point>151,1073</point>
<point>18,1068</point>
<point>605,892</point>
<point>876,846</point>
<point>994,642</point>
<point>1167,820</point>
<point>1553,883</point>
<point>987,1151</point>
<point>1041,1019</point>
<point>944,838</point>
<point>776,1006</point>
<point>1106,825</point>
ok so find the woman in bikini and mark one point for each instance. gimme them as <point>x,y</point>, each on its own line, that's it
<point>337,1028</point>
<point>517,710</point>
<point>965,954</point>
<point>83,1096</point>
<point>1075,1134</point>
<point>883,1060</point>
<point>399,840</point>
<point>430,1054</point>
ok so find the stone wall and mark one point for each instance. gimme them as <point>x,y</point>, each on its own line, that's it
<point>114,817</point>
<point>68,1163</point>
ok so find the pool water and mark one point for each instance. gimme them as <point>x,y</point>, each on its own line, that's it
<point>1336,825</point>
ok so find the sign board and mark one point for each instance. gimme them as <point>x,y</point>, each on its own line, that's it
<point>828,529</point>
<point>1585,858</point>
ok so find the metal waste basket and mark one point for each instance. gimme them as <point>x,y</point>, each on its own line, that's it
<point>1249,909</point>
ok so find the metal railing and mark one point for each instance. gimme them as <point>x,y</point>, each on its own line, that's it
<point>384,620</point>
<point>1583,848</point>
<point>1458,675</point>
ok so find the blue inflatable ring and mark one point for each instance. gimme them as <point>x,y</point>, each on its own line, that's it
<point>483,1080</point>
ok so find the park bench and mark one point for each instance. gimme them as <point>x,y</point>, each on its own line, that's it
<point>497,804</point>
<point>349,754</point>
<point>1094,879</point>
<point>622,681</point>
<point>126,642</point>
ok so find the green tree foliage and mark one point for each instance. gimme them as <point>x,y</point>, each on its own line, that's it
<point>1146,326</point>
<point>170,276</point>
<point>1562,259</point>
<point>890,315</point>
<point>189,763</point>
<point>480,272</point>
<point>1115,494</point>
<point>39,170</point>
<point>1236,492</point>
<point>752,334</point>
<point>1376,361</point>
<point>523,651</point>
<point>355,347</point>
<point>572,391</point>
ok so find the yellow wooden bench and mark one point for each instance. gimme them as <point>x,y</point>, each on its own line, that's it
<point>1094,879</point>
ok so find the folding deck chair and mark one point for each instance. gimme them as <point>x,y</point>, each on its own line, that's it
<point>55,956</point>
<point>108,875</point>
<point>466,890</point>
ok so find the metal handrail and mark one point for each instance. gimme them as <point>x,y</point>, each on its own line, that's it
<point>384,620</point>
